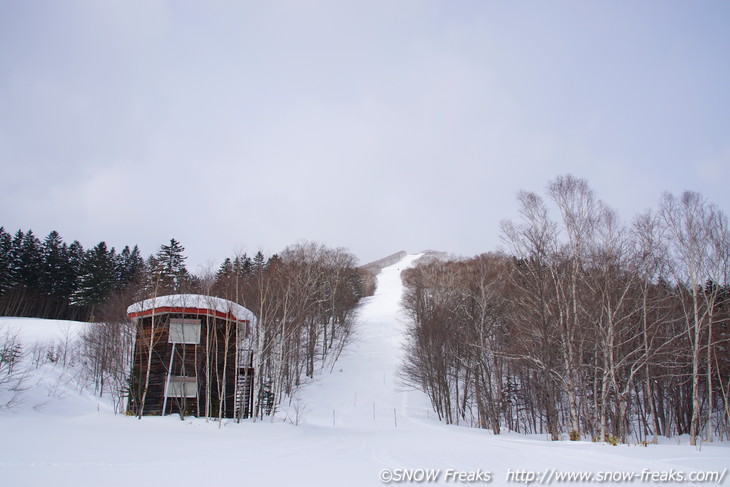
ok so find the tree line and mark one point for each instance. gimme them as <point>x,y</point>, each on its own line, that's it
<point>304,298</point>
<point>53,279</point>
<point>585,327</point>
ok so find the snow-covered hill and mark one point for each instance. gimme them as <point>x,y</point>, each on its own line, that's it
<point>355,424</point>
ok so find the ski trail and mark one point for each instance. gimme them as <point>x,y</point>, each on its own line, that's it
<point>363,390</point>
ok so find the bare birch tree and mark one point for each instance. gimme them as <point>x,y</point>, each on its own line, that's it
<point>697,238</point>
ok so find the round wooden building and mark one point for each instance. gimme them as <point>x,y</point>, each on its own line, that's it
<point>192,356</point>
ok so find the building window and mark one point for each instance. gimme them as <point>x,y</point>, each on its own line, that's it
<point>184,331</point>
<point>181,386</point>
<point>242,330</point>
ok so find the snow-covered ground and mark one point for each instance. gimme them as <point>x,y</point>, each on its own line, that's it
<point>355,424</point>
<point>43,331</point>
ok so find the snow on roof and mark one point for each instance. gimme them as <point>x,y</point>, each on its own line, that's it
<point>192,301</point>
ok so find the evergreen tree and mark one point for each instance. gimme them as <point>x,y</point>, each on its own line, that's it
<point>54,259</point>
<point>259,263</point>
<point>15,246</point>
<point>69,274</point>
<point>129,267</point>
<point>242,265</point>
<point>29,258</point>
<point>231,277</point>
<point>273,260</point>
<point>97,277</point>
<point>225,271</point>
<point>169,274</point>
<point>6,261</point>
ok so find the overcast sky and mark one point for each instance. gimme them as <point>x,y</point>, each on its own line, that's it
<point>376,126</point>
